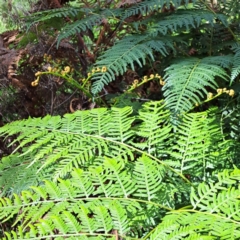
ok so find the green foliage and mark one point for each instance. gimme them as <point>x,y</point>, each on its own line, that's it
<point>12,11</point>
<point>169,170</point>
<point>214,213</point>
<point>188,79</point>
<point>102,171</point>
<point>155,35</point>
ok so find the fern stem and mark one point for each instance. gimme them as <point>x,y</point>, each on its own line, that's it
<point>71,81</point>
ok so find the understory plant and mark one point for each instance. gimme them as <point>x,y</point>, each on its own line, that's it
<point>166,170</point>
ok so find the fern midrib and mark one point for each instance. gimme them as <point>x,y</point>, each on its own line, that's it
<point>185,86</point>
<point>79,198</point>
<point>185,152</point>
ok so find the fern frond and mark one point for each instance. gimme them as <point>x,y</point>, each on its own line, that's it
<point>69,208</point>
<point>154,128</point>
<point>193,142</point>
<point>87,137</point>
<point>146,7</point>
<point>129,50</point>
<point>148,177</point>
<point>53,13</point>
<point>92,19</point>
<point>186,19</point>
<point>15,175</point>
<point>215,212</point>
<point>187,80</point>
<point>236,63</point>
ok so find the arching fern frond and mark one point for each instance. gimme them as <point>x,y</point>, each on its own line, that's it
<point>92,19</point>
<point>129,50</point>
<point>186,19</point>
<point>187,80</point>
<point>86,137</point>
<point>53,13</point>
<point>148,6</point>
<point>65,211</point>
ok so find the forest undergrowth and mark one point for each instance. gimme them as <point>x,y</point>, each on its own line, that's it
<point>119,119</point>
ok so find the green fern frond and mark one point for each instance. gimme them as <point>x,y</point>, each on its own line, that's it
<point>231,9</point>
<point>154,128</point>
<point>187,80</point>
<point>53,13</point>
<point>68,207</point>
<point>186,19</point>
<point>143,8</point>
<point>149,6</point>
<point>236,63</point>
<point>193,143</point>
<point>93,19</point>
<point>15,175</point>
<point>86,137</point>
<point>148,176</point>
<point>215,212</point>
<point>129,50</point>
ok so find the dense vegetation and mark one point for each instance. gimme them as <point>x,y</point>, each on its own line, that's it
<point>130,124</point>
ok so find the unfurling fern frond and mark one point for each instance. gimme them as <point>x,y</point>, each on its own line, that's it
<point>188,79</point>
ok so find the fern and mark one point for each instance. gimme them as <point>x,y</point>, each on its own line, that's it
<point>92,19</point>
<point>193,143</point>
<point>53,13</point>
<point>56,198</point>
<point>215,212</point>
<point>148,6</point>
<point>15,177</point>
<point>236,61</point>
<point>77,139</point>
<point>114,174</point>
<point>161,34</point>
<point>92,160</point>
<point>134,48</point>
<point>184,19</point>
<point>187,80</point>
<point>129,50</point>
